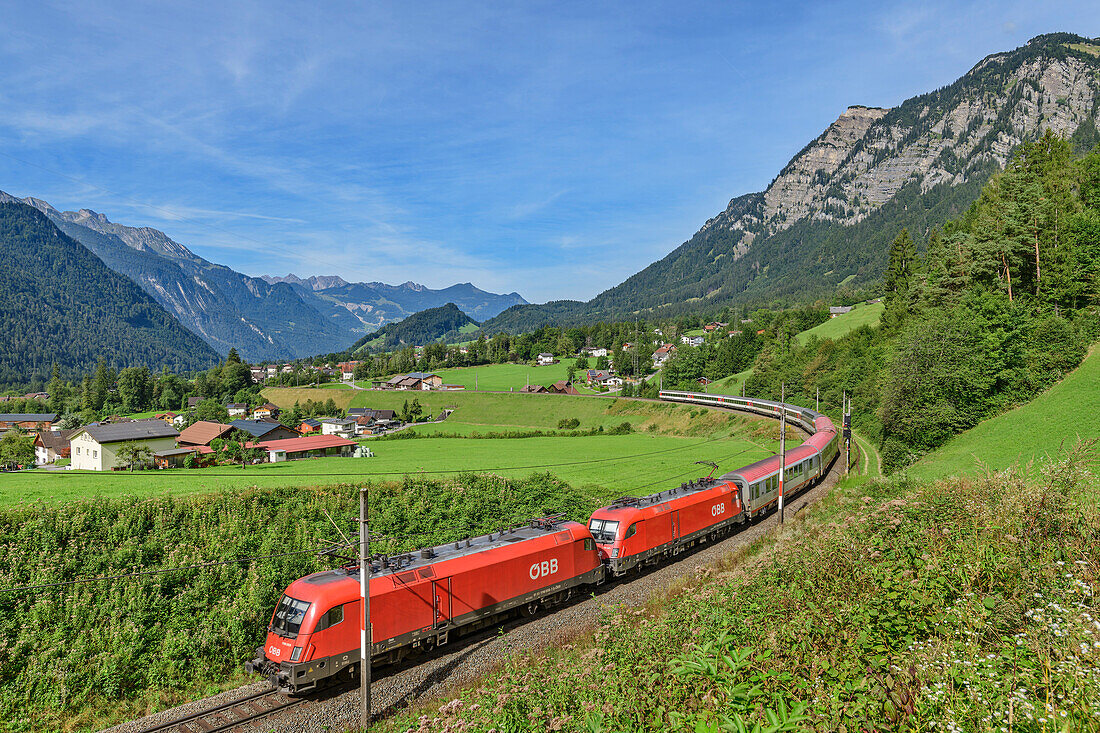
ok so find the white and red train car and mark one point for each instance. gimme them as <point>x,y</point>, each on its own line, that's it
<point>419,600</point>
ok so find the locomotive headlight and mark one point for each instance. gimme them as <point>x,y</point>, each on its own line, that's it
<point>296,654</point>
<point>615,552</point>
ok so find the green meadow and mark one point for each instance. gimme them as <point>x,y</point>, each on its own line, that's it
<point>603,465</point>
<point>861,315</point>
<point>507,377</point>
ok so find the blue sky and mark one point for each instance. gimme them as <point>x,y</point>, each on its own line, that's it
<point>548,148</point>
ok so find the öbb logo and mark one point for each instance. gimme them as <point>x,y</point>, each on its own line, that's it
<point>717,509</point>
<point>542,569</point>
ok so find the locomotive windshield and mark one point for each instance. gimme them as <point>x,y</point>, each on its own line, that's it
<point>289,616</point>
<point>603,530</point>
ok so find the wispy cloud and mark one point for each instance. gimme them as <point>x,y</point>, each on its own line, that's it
<point>547,149</point>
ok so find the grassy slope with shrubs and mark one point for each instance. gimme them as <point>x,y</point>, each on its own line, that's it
<point>960,605</point>
<point>1026,435</point>
<point>84,656</point>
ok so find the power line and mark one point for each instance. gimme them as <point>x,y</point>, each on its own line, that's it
<point>163,571</point>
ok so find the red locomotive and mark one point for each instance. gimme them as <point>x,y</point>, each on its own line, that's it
<point>418,601</point>
<point>633,532</point>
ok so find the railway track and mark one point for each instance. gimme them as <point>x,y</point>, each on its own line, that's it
<point>230,715</point>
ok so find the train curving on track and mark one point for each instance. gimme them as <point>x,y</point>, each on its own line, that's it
<point>424,599</point>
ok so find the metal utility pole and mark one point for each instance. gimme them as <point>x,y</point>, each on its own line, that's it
<point>782,445</point>
<point>817,408</point>
<point>364,595</point>
<point>846,425</point>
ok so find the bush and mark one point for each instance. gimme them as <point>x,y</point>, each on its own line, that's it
<point>568,423</point>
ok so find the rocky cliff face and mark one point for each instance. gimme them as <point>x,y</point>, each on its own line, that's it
<point>864,158</point>
<point>830,214</point>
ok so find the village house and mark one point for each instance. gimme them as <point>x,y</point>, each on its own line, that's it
<point>201,433</point>
<point>417,381</point>
<point>661,355</point>
<point>703,381</point>
<point>603,378</point>
<point>534,389</point>
<point>308,446</point>
<point>237,409</point>
<point>714,325</point>
<point>266,410</point>
<point>193,401</point>
<point>838,310</point>
<point>593,352</point>
<point>51,445</point>
<point>358,412</point>
<point>309,426</point>
<point>169,418</point>
<point>546,359</point>
<point>562,387</point>
<point>347,369</point>
<point>27,421</point>
<point>95,447</point>
<point>343,427</point>
<point>262,430</point>
<point>257,374</point>
<point>692,340</point>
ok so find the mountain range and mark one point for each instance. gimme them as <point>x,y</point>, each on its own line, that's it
<point>827,219</point>
<point>265,318</point>
<point>61,305</point>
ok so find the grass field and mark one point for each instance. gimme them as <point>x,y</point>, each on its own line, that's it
<point>605,464</point>
<point>1046,425</point>
<point>834,328</point>
<point>505,377</point>
<point>516,410</point>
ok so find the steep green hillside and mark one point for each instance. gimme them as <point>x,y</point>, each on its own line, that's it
<point>1043,427</point>
<point>59,304</point>
<point>418,329</point>
<point>834,328</point>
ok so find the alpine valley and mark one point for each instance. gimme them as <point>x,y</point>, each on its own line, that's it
<point>265,318</point>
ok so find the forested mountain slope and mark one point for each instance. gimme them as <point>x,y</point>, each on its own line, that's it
<point>1003,303</point>
<point>830,214</point>
<point>60,304</point>
<point>418,329</point>
<point>263,317</point>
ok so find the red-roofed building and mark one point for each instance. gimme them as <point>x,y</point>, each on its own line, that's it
<point>308,446</point>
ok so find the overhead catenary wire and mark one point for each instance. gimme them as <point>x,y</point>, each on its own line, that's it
<point>163,571</point>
